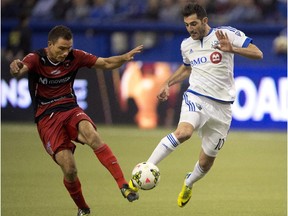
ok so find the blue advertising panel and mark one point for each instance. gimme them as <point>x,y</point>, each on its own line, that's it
<point>261,101</point>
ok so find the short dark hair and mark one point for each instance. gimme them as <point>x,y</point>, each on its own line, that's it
<point>192,8</point>
<point>60,31</point>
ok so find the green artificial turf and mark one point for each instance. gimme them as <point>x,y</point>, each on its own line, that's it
<point>249,177</point>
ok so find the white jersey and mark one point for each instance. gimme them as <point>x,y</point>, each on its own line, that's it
<point>212,70</point>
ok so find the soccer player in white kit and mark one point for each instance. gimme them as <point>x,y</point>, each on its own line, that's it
<point>206,107</point>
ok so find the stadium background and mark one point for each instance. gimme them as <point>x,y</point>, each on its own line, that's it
<point>250,175</point>
<point>113,27</point>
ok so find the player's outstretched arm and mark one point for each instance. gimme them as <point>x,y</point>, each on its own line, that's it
<point>117,61</point>
<point>180,74</point>
<point>18,68</point>
<point>252,51</point>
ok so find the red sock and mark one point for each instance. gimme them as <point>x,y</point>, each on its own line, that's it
<point>108,159</point>
<point>74,189</point>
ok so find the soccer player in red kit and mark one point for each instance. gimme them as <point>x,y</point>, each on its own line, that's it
<point>51,73</point>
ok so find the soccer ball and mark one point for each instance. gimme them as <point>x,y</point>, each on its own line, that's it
<point>145,176</point>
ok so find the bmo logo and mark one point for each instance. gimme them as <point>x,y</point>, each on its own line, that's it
<point>198,61</point>
<point>215,57</point>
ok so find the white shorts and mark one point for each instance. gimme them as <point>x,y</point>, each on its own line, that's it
<point>210,118</point>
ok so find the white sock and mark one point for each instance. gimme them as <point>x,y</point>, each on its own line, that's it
<point>164,148</point>
<point>194,176</point>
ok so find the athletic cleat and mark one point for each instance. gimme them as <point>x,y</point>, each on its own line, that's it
<point>184,196</point>
<point>132,186</point>
<point>129,193</point>
<point>83,212</point>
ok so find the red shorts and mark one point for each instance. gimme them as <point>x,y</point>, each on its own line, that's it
<point>60,128</point>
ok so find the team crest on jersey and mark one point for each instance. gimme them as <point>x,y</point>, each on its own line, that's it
<point>191,51</point>
<point>216,57</point>
<point>214,44</point>
<point>67,63</point>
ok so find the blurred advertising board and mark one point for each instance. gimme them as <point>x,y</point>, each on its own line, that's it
<point>128,95</point>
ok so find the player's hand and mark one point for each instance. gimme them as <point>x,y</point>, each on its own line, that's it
<point>15,67</point>
<point>224,43</point>
<point>130,55</point>
<point>163,94</point>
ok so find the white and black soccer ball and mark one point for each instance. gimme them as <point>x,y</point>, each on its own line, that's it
<point>145,176</point>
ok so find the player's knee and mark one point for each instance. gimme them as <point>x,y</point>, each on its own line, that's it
<point>71,174</point>
<point>88,134</point>
<point>206,164</point>
<point>183,135</point>
<point>183,132</point>
<point>93,140</point>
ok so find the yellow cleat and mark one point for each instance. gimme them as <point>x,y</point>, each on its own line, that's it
<point>132,186</point>
<point>129,194</point>
<point>184,196</point>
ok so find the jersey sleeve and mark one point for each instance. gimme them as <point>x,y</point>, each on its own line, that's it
<point>238,38</point>
<point>186,60</point>
<point>85,59</point>
<point>31,60</point>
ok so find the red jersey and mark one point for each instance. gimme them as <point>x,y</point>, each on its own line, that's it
<point>51,85</point>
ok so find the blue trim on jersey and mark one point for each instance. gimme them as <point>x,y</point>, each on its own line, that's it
<point>247,42</point>
<point>228,28</point>
<point>211,29</point>
<point>214,99</point>
<point>172,140</point>
<point>187,65</point>
<point>201,40</point>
